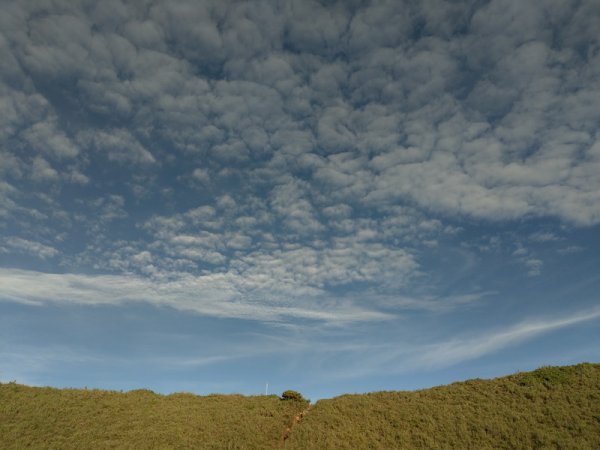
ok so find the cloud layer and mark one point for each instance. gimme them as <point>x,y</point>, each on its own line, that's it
<point>288,151</point>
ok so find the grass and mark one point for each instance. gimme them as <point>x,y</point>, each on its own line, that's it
<point>552,407</point>
<point>73,418</point>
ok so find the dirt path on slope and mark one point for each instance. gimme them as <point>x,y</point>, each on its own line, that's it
<point>297,419</point>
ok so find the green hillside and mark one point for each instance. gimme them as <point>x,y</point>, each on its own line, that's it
<point>552,407</point>
<point>45,418</point>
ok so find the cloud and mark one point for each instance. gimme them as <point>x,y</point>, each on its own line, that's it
<point>570,249</point>
<point>201,175</point>
<point>458,350</point>
<point>118,145</point>
<point>524,255</point>
<point>493,122</point>
<point>42,171</point>
<point>430,303</point>
<point>25,363</point>
<point>295,149</point>
<point>297,212</point>
<point>214,295</point>
<point>47,138</point>
<point>410,355</point>
<point>540,236</point>
<point>534,267</point>
<point>239,239</point>
<point>37,249</point>
<point>109,208</point>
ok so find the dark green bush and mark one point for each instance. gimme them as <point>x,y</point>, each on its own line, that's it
<point>292,395</point>
<point>548,376</point>
<point>142,392</point>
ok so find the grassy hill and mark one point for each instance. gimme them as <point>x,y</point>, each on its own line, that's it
<point>552,407</point>
<point>46,418</point>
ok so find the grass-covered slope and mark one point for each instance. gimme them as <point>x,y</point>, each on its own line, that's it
<point>552,407</point>
<point>46,418</point>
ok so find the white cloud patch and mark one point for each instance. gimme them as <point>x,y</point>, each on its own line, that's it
<point>118,145</point>
<point>201,175</point>
<point>542,237</point>
<point>42,171</point>
<point>46,137</point>
<point>34,248</point>
<point>212,295</point>
<point>109,208</point>
<point>534,267</point>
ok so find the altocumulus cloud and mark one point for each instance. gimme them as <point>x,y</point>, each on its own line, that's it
<point>280,156</point>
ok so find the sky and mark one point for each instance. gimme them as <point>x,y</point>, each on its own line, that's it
<point>324,196</point>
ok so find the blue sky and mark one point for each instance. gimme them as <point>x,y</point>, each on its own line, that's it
<point>330,197</point>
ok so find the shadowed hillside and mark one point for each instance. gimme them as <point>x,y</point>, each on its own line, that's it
<point>552,407</point>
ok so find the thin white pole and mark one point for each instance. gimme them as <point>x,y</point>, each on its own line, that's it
<point>267,389</point>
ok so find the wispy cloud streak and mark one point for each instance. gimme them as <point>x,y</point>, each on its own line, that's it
<point>456,351</point>
<point>211,295</point>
